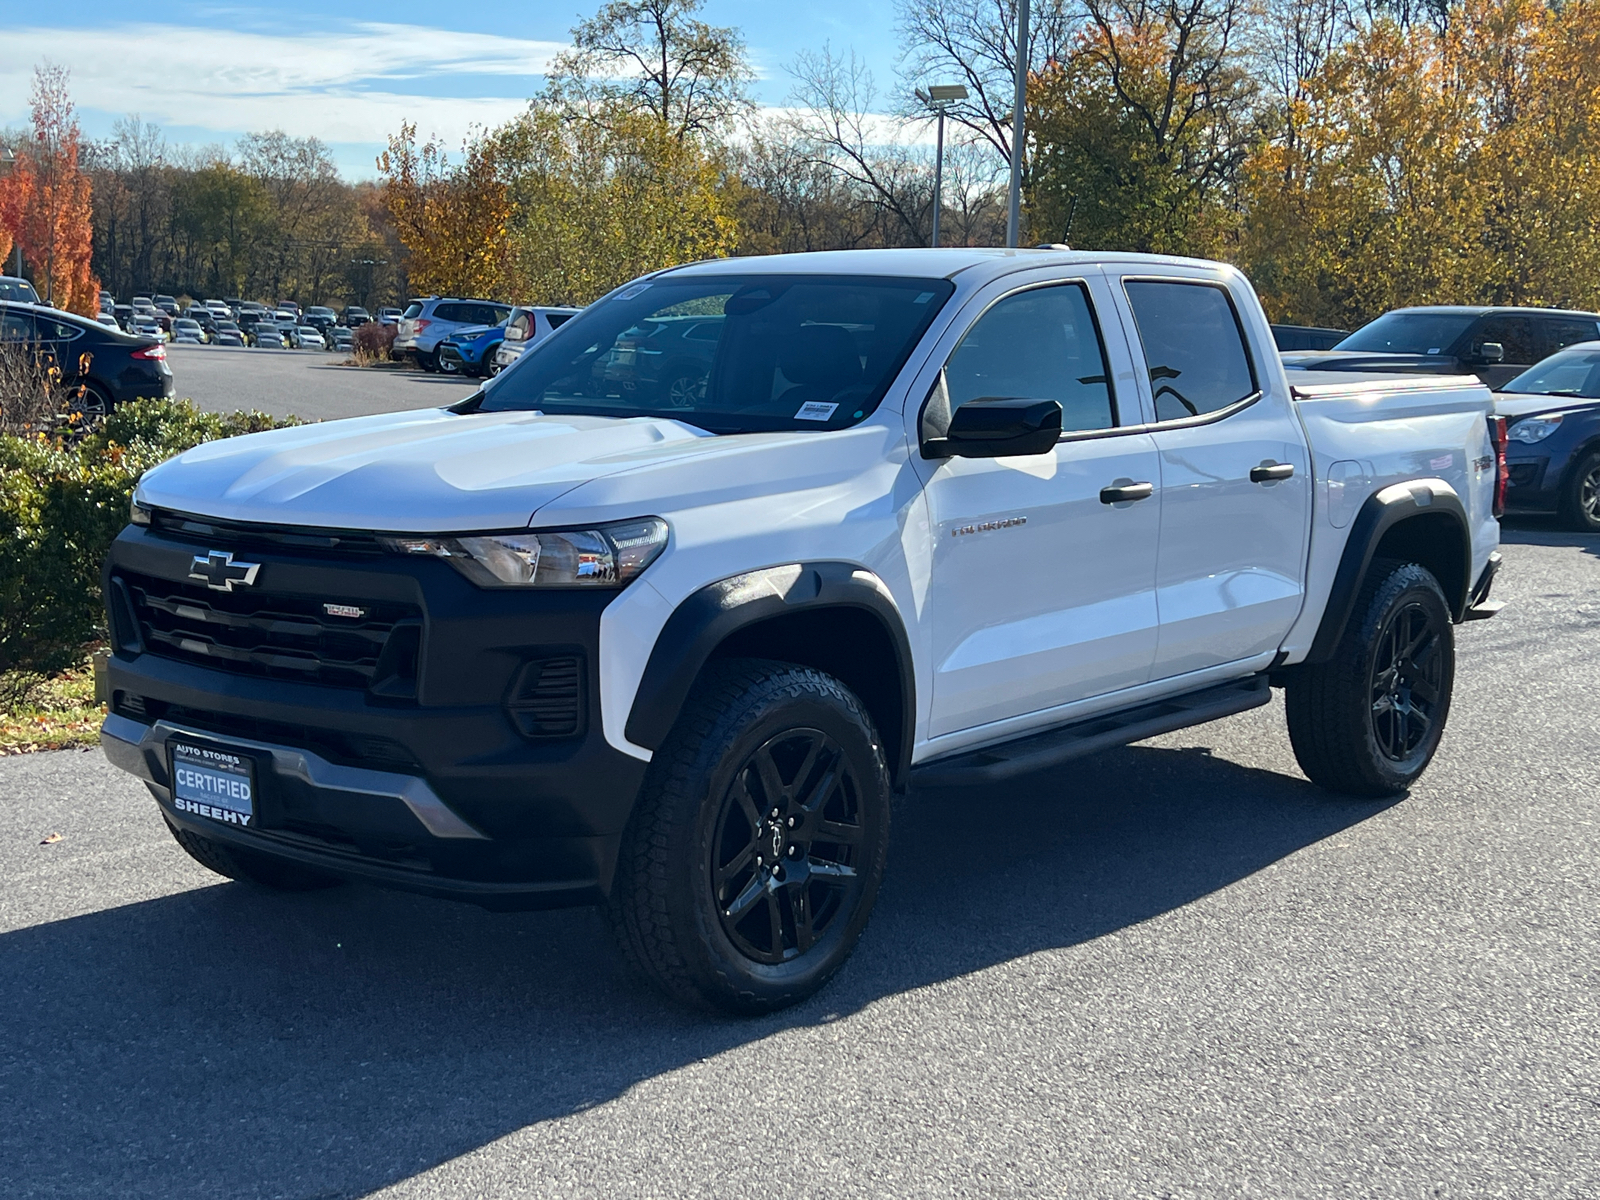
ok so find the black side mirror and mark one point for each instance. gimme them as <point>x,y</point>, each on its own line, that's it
<point>1492,352</point>
<point>998,427</point>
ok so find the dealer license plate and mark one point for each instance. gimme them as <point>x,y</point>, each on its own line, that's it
<point>211,783</point>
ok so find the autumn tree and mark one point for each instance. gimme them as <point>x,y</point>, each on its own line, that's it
<point>594,204</point>
<point>654,58</point>
<point>450,217</point>
<point>56,230</point>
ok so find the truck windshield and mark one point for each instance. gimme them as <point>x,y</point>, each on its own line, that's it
<point>727,353</point>
<point>1569,373</point>
<point>1408,333</point>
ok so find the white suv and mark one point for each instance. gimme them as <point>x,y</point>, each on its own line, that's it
<point>426,323</point>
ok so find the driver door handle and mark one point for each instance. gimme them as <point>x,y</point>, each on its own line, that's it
<point>1271,472</point>
<point>1119,493</point>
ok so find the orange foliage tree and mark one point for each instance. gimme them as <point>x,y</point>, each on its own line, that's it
<point>46,203</point>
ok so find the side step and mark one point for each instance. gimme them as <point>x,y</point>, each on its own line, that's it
<point>1036,751</point>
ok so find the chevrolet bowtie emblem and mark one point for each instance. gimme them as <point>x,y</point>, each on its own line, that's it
<point>218,570</point>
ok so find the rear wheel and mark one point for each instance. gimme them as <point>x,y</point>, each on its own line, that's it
<point>1367,721</point>
<point>754,855</point>
<point>92,400</point>
<point>427,362</point>
<point>1581,503</point>
<point>248,867</point>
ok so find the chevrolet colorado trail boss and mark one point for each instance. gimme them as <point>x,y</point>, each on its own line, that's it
<point>933,516</point>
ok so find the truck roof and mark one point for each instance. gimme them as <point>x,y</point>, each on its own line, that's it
<point>926,262</point>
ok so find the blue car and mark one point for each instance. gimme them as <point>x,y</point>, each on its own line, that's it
<point>1552,411</point>
<point>471,350</point>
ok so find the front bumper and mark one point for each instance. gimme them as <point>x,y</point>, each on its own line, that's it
<point>439,792</point>
<point>1532,487</point>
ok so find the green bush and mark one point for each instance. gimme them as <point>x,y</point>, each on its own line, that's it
<point>63,500</point>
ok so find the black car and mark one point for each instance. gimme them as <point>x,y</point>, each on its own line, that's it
<point>1553,444</point>
<point>319,318</point>
<point>202,316</point>
<point>1495,344</point>
<point>111,366</point>
<point>13,287</point>
<point>1307,337</point>
<point>354,315</point>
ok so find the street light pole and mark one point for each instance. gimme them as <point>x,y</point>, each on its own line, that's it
<point>1018,121</point>
<point>940,97</point>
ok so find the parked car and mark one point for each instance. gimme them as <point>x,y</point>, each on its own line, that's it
<point>16,289</point>
<point>257,325</point>
<point>320,318</point>
<point>186,330</point>
<point>1493,343</point>
<point>667,358</point>
<point>146,325</point>
<point>124,315</point>
<point>289,306</point>
<point>389,316</point>
<point>528,326</point>
<point>353,316</point>
<point>167,304</point>
<point>112,367</point>
<point>202,317</point>
<point>219,310</point>
<point>143,302</point>
<point>1553,456</point>
<point>428,322</point>
<point>341,337</point>
<point>911,532</point>
<point>471,350</point>
<point>106,319</point>
<point>229,334</point>
<point>309,337</point>
<point>1307,337</point>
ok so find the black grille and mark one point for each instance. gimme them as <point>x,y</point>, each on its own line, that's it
<point>277,636</point>
<point>546,699</point>
<point>283,537</point>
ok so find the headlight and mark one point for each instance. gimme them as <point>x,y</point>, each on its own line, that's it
<point>607,556</point>
<point>138,513</point>
<point>1535,429</point>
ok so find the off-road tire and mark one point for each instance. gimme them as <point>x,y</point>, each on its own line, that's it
<point>1335,707</point>
<point>246,867</point>
<point>663,908</point>
<point>1580,498</point>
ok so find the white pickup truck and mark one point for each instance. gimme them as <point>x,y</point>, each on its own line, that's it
<point>662,616</point>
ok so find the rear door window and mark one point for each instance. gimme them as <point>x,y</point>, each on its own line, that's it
<point>1560,332</point>
<point>1194,347</point>
<point>557,320</point>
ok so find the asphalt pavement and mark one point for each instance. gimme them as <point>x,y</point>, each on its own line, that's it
<point>305,383</point>
<point>1175,970</point>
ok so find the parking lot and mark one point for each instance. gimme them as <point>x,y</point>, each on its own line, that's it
<point>1173,970</point>
<point>306,383</point>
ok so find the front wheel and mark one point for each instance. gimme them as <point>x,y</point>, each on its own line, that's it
<point>1581,503</point>
<point>754,855</point>
<point>1367,721</point>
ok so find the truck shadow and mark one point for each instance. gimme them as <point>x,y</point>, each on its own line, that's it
<point>224,1041</point>
<point>1546,531</point>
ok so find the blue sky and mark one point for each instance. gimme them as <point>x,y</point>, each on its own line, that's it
<point>207,73</point>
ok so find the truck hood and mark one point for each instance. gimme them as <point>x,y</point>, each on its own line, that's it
<point>1513,405</point>
<point>412,472</point>
<point>1361,360</point>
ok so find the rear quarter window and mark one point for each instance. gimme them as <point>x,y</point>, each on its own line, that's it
<point>1194,347</point>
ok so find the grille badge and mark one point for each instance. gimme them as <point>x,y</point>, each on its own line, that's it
<point>219,572</point>
<point>354,612</point>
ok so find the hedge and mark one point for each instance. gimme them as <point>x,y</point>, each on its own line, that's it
<point>63,499</point>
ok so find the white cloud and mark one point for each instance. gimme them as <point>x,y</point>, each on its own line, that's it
<point>341,86</point>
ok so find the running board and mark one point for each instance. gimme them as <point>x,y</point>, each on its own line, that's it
<point>1037,751</point>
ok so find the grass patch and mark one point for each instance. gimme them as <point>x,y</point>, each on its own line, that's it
<point>51,714</point>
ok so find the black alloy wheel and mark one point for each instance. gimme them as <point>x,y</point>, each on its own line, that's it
<point>1367,721</point>
<point>1407,670</point>
<point>1583,495</point>
<point>753,857</point>
<point>786,844</point>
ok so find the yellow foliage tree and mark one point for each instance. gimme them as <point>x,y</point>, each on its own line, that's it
<point>451,218</point>
<point>1433,166</point>
<point>598,202</point>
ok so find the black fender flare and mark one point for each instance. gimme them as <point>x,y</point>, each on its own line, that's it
<point>717,611</point>
<point>1382,511</point>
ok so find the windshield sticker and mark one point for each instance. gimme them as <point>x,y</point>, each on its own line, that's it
<point>1442,463</point>
<point>637,289</point>
<point>1433,349</point>
<point>923,298</point>
<point>815,410</point>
